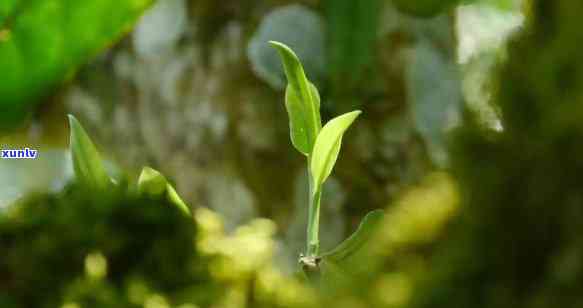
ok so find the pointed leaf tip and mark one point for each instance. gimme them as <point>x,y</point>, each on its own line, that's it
<point>302,101</point>
<point>88,166</point>
<point>281,47</point>
<point>175,199</point>
<point>151,182</point>
<point>327,146</point>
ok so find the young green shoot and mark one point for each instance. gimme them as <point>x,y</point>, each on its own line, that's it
<point>153,184</point>
<point>321,146</point>
<point>89,168</point>
<point>90,171</point>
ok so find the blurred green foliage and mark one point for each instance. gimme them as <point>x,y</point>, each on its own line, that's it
<point>80,248</point>
<point>6,9</point>
<point>424,8</point>
<point>352,31</point>
<point>42,42</point>
<point>431,8</point>
<point>45,241</point>
<point>517,241</point>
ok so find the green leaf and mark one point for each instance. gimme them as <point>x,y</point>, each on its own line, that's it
<point>302,102</point>
<point>43,42</point>
<point>360,237</point>
<point>7,7</point>
<point>327,146</point>
<point>297,121</point>
<point>89,168</point>
<point>175,199</point>
<point>152,183</point>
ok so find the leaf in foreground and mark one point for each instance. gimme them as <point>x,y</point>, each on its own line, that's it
<point>88,166</point>
<point>175,199</point>
<point>153,184</point>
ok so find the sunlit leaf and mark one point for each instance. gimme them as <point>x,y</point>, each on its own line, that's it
<point>175,199</point>
<point>302,101</point>
<point>360,237</point>
<point>151,182</point>
<point>87,163</point>
<point>327,146</point>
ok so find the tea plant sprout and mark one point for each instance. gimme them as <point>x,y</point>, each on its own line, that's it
<point>321,147</point>
<point>91,173</point>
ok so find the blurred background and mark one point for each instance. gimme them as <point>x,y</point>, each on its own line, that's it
<point>191,88</point>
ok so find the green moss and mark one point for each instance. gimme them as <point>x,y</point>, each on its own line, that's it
<point>46,239</point>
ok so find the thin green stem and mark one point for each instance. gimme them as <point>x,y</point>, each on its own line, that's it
<point>313,242</point>
<point>314,224</point>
